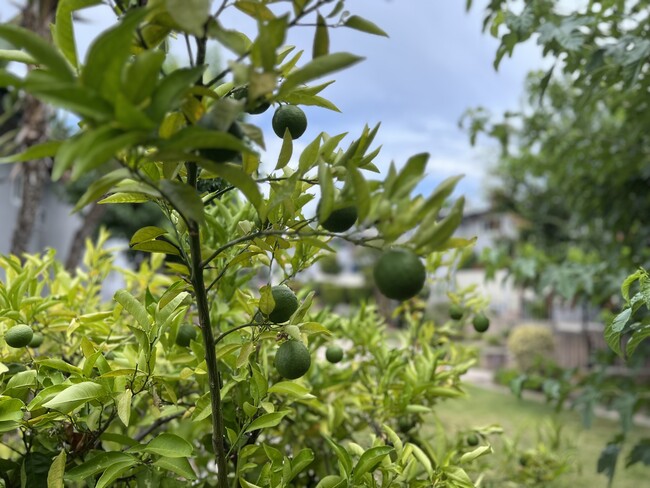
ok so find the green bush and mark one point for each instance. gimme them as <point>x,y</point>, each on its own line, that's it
<point>329,264</point>
<point>530,345</point>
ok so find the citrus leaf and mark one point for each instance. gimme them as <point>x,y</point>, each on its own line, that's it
<point>101,186</point>
<point>145,234</point>
<point>236,177</point>
<point>289,388</point>
<point>234,40</point>
<point>96,464</point>
<point>169,92</point>
<point>181,466</point>
<point>285,151</point>
<point>16,55</point>
<point>62,31</point>
<point>56,472</point>
<point>476,453</point>
<point>45,54</point>
<point>38,151</point>
<point>124,406</point>
<point>321,45</point>
<point>169,445</point>
<point>190,15</point>
<point>75,396</point>
<point>363,25</point>
<point>369,460</point>
<point>266,420</point>
<point>184,198</point>
<point>133,307</point>
<point>317,68</point>
<point>113,472</point>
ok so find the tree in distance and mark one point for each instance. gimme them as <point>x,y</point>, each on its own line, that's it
<point>286,304</point>
<point>292,359</point>
<point>456,312</point>
<point>186,333</point>
<point>339,220</point>
<point>289,117</point>
<point>19,336</point>
<point>399,274</point>
<point>334,354</point>
<point>480,322</point>
<point>37,340</point>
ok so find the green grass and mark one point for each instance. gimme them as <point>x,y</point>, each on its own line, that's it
<point>521,419</point>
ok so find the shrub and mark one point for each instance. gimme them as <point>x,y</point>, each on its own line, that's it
<point>530,344</point>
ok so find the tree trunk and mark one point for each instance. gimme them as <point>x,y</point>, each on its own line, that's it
<point>37,17</point>
<point>90,223</point>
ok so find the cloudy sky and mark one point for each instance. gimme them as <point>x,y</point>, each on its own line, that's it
<point>436,64</point>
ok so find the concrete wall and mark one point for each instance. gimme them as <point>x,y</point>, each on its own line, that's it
<point>54,227</point>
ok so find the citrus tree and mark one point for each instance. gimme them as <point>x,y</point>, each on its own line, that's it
<point>189,378</point>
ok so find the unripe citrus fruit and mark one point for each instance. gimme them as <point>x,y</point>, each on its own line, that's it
<point>340,220</point>
<point>186,333</point>
<point>253,107</point>
<point>480,322</point>
<point>292,360</point>
<point>220,155</point>
<point>289,117</point>
<point>37,340</point>
<point>472,440</point>
<point>286,304</point>
<point>399,274</point>
<point>19,335</point>
<point>334,354</point>
<point>456,312</point>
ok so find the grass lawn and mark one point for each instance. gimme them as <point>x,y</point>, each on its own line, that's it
<point>522,418</point>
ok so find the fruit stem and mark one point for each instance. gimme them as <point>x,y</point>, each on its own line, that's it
<point>208,341</point>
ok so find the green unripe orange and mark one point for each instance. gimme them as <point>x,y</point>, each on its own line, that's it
<point>456,312</point>
<point>399,274</point>
<point>292,360</point>
<point>19,336</point>
<point>289,117</point>
<point>286,304</point>
<point>186,333</point>
<point>472,440</point>
<point>217,154</point>
<point>480,322</point>
<point>341,219</point>
<point>334,354</point>
<point>37,340</point>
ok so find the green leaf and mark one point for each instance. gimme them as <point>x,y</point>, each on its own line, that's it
<point>96,464</point>
<point>62,30</point>
<point>332,481</point>
<point>171,90</point>
<point>369,461</point>
<point>321,39</point>
<point>317,68</point>
<point>364,25</point>
<point>133,307</point>
<point>59,365</point>
<point>326,181</point>
<point>234,40</point>
<point>169,445</point>
<point>196,137</point>
<point>640,453</point>
<point>74,98</point>
<point>113,472</point>
<point>142,75</point>
<point>428,239</point>
<point>184,198</point>
<point>101,186</point>
<point>607,460</point>
<point>38,151</point>
<point>298,464</point>
<point>362,192</point>
<point>290,388</point>
<point>345,461</point>
<point>126,197</point>
<point>106,150</point>
<point>238,178</point>
<point>16,55</point>
<point>266,420</point>
<point>640,334</point>
<point>76,396</point>
<point>285,151</point>
<point>257,10</point>
<point>39,49</point>
<point>56,472</point>
<point>124,406</point>
<point>476,453</point>
<point>190,15</point>
<point>266,303</point>
<point>109,53</point>
<point>409,176</point>
<point>11,413</point>
<point>145,234</point>
<point>181,466</point>
<point>309,155</point>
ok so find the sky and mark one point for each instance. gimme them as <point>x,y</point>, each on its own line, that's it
<point>436,64</point>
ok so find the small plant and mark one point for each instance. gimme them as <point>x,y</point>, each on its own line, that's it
<point>530,344</point>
